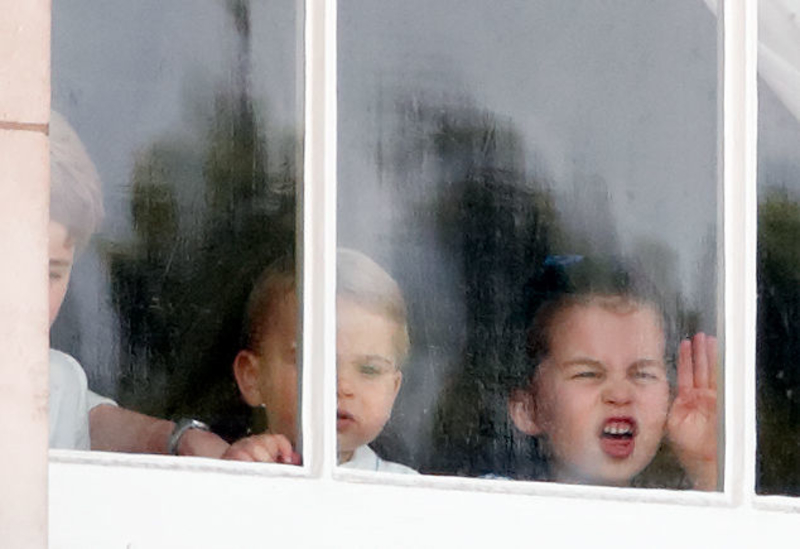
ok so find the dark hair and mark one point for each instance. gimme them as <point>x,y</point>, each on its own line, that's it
<point>276,280</point>
<point>562,282</point>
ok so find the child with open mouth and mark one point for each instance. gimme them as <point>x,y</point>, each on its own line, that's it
<point>597,393</point>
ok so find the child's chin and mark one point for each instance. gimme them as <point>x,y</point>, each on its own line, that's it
<point>620,478</point>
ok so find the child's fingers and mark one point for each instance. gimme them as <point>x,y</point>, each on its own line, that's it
<point>239,451</point>
<point>284,449</point>
<point>700,358</point>
<point>263,448</point>
<point>712,351</point>
<point>685,367</point>
<point>297,459</point>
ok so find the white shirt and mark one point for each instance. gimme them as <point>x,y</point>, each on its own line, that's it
<point>366,459</point>
<point>70,402</point>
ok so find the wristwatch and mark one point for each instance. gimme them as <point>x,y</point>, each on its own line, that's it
<point>181,426</point>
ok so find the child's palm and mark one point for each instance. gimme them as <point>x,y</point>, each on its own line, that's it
<point>692,422</point>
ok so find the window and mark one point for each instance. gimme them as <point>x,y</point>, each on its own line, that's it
<point>192,116</point>
<point>486,149</point>
<point>778,225</point>
<point>105,500</point>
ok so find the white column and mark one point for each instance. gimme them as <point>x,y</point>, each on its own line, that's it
<point>24,177</point>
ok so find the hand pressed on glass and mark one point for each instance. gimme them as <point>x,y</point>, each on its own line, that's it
<point>692,423</point>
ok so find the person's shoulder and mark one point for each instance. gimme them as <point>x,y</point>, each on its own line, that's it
<point>65,370</point>
<point>366,459</point>
<point>392,467</point>
<point>385,466</point>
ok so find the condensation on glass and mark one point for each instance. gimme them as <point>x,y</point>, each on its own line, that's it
<point>191,112</point>
<point>486,151</point>
<point>778,336</point>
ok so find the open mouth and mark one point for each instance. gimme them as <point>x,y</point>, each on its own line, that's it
<point>343,419</point>
<point>617,437</point>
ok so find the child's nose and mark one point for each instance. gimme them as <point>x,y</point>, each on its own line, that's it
<point>617,392</point>
<point>344,384</point>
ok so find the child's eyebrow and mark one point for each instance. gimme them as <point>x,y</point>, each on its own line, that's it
<point>643,363</point>
<point>582,361</point>
<point>376,358</point>
<point>60,263</point>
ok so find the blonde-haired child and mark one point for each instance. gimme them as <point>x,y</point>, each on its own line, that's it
<point>372,344</point>
<point>79,418</point>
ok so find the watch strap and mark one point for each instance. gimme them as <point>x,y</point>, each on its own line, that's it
<point>181,426</point>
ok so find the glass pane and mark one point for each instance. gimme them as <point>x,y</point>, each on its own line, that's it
<point>539,178</point>
<point>778,341</point>
<point>191,114</point>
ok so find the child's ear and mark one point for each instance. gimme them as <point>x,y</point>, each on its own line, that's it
<point>247,370</point>
<point>398,380</point>
<point>522,410</point>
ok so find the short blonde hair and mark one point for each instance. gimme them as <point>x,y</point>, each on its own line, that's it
<point>76,198</point>
<point>363,281</point>
<point>359,279</point>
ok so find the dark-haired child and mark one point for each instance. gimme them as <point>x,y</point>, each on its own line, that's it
<point>597,391</point>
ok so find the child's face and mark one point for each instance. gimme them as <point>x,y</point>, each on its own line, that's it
<point>601,397</point>
<point>368,375</point>
<point>276,368</point>
<point>61,252</point>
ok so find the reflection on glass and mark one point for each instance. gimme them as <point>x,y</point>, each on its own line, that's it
<point>778,339</point>
<point>484,145</point>
<point>190,113</point>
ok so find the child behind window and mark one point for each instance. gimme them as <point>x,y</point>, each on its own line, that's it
<point>371,345</point>
<point>596,392</point>
<point>78,418</point>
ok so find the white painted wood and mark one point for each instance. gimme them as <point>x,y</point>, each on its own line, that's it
<point>139,508</point>
<point>319,240</point>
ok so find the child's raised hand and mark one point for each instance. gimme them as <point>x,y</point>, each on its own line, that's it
<point>692,421</point>
<point>265,448</point>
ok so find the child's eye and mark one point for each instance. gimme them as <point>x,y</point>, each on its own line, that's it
<point>586,374</point>
<point>370,370</point>
<point>645,375</point>
<point>55,276</point>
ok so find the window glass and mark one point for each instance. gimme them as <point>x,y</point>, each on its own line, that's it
<point>500,159</point>
<point>778,343</point>
<point>191,113</point>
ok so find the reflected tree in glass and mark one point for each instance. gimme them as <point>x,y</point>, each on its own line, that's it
<point>206,222</point>
<point>778,343</point>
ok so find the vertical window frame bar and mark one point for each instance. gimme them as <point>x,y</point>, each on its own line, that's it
<point>319,240</point>
<point>739,226</point>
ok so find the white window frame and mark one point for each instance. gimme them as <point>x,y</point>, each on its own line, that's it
<point>117,500</point>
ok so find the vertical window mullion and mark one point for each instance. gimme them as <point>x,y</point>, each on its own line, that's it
<point>319,239</point>
<point>740,206</point>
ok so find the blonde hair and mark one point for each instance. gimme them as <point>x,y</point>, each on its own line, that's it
<point>364,282</point>
<point>359,279</point>
<point>76,199</point>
